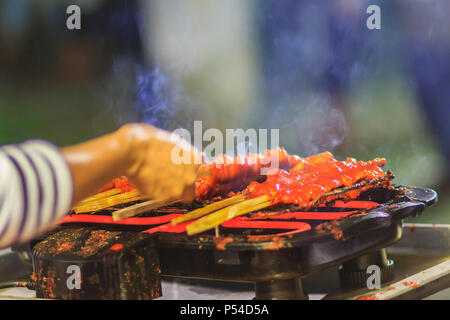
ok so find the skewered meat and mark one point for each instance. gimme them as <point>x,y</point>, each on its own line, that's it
<point>314,180</point>
<point>227,174</point>
<point>121,183</point>
<point>233,175</point>
<point>298,180</point>
<point>315,176</point>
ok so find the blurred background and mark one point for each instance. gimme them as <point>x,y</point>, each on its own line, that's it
<point>310,68</point>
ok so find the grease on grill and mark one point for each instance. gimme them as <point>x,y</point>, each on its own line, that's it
<point>111,265</point>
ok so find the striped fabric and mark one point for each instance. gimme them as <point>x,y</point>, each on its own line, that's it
<point>35,190</point>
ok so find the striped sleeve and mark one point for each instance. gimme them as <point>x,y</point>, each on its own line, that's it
<point>35,190</point>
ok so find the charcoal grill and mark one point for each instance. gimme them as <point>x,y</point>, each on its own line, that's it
<point>123,260</point>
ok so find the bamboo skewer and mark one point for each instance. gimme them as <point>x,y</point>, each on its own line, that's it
<point>99,196</point>
<point>104,203</point>
<point>227,213</point>
<point>140,208</point>
<point>114,197</point>
<point>154,204</point>
<point>336,192</point>
<point>208,209</point>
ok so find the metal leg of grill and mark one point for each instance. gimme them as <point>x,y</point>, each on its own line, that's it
<point>354,274</point>
<point>287,289</point>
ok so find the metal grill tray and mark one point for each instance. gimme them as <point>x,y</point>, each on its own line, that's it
<point>301,253</point>
<point>233,257</point>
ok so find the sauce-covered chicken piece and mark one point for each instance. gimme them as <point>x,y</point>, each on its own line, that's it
<point>314,176</point>
<point>121,183</point>
<point>234,174</point>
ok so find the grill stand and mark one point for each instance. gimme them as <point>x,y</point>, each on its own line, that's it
<point>354,273</point>
<point>286,289</point>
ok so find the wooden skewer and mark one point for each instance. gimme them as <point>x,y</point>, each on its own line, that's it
<point>208,209</point>
<point>217,232</point>
<point>337,192</point>
<point>114,197</point>
<point>154,204</point>
<point>138,208</point>
<point>99,196</point>
<point>104,203</point>
<point>227,213</point>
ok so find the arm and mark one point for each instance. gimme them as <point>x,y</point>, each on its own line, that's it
<point>142,153</point>
<point>39,183</point>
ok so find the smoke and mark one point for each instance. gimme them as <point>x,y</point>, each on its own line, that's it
<point>310,127</point>
<point>307,57</point>
<point>157,99</point>
<point>136,93</point>
<point>118,92</point>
